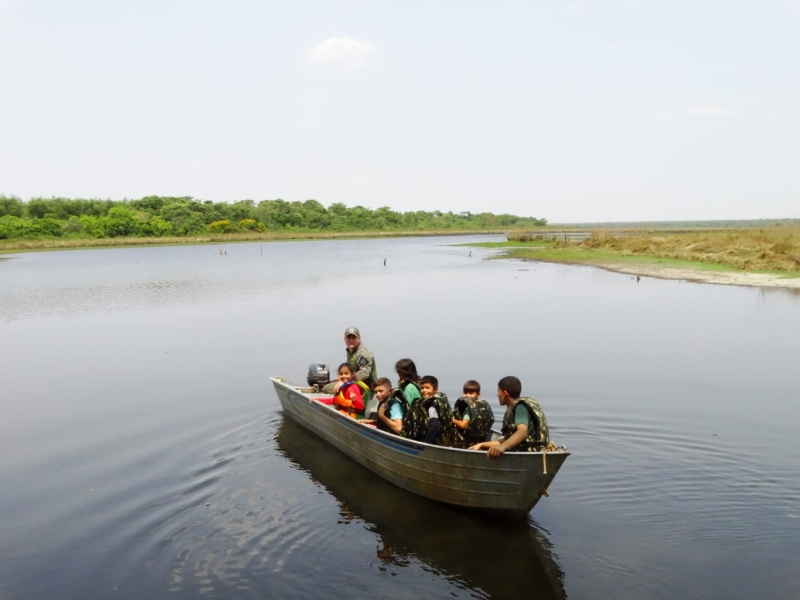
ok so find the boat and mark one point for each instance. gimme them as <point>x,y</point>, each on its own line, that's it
<point>510,485</point>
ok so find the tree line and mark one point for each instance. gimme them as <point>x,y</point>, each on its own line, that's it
<point>160,216</point>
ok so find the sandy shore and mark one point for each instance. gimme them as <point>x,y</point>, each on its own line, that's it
<point>699,276</point>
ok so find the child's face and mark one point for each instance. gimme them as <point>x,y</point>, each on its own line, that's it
<point>427,390</point>
<point>473,395</point>
<point>345,375</point>
<point>504,397</point>
<point>382,392</point>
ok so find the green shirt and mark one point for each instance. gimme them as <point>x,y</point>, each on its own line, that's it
<point>523,417</point>
<point>411,393</point>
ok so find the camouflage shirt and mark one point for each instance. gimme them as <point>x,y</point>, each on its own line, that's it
<point>363,361</point>
<point>538,435</point>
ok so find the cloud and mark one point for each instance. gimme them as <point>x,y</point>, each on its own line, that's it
<point>341,52</point>
<point>713,111</point>
<point>668,119</point>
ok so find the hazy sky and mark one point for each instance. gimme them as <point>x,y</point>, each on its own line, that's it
<point>584,111</point>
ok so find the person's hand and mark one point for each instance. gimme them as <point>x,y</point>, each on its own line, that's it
<point>495,451</point>
<point>478,446</point>
<point>382,408</point>
<point>337,385</point>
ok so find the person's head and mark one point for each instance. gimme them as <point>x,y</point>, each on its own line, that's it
<point>406,370</point>
<point>346,372</point>
<point>428,386</point>
<point>383,388</point>
<point>352,338</point>
<point>472,389</point>
<point>508,389</point>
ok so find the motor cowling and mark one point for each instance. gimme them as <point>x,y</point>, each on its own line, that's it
<point>318,375</point>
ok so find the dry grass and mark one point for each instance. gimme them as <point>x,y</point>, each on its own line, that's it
<point>770,249</point>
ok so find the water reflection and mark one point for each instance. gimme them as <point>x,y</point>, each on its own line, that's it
<point>410,527</point>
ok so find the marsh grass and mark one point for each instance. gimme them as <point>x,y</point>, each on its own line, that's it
<point>771,249</point>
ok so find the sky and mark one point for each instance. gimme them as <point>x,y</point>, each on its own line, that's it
<point>618,110</point>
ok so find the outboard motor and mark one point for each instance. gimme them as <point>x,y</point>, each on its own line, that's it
<point>318,375</point>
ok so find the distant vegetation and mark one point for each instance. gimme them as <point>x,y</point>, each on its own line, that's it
<point>762,249</point>
<point>657,225</point>
<point>170,217</point>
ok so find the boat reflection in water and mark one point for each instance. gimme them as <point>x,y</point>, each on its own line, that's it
<point>498,558</point>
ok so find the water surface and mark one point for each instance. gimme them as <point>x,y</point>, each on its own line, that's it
<point>144,451</point>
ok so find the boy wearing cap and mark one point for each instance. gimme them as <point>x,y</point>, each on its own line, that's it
<point>360,357</point>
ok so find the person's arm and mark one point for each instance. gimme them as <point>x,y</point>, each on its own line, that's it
<point>364,362</point>
<point>518,436</point>
<point>484,445</point>
<point>396,425</point>
<point>353,393</point>
<point>461,424</point>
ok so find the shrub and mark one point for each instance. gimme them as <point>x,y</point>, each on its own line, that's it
<point>223,226</point>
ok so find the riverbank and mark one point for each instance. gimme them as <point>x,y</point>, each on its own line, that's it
<point>761,258</point>
<point>14,246</point>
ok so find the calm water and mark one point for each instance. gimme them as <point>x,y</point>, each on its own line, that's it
<point>143,452</point>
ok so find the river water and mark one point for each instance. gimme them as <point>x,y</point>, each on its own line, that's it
<point>143,452</point>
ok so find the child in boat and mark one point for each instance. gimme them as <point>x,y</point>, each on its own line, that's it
<point>430,418</point>
<point>472,417</point>
<point>408,380</point>
<point>349,400</point>
<point>391,408</point>
<point>524,425</point>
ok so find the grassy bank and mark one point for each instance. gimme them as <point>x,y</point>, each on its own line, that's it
<point>771,250</point>
<point>227,238</point>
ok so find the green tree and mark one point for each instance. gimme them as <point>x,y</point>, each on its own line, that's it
<point>9,205</point>
<point>11,227</point>
<point>121,221</point>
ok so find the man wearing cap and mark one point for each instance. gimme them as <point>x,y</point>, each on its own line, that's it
<point>360,357</point>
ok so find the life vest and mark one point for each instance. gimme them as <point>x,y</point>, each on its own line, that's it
<point>537,439</point>
<point>350,399</point>
<point>480,422</point>
<point>416,421</point>
<point>397,398</point>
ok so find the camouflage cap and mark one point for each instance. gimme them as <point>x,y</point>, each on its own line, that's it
<point>351,331</point>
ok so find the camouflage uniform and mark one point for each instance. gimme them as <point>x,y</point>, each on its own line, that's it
<point>415,423</point>
<point>363,361</point>
<point>480,422</point>
<point>537,439</point>
<point>396,398</point>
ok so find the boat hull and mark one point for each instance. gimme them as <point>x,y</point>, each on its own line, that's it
<point>510,485</point>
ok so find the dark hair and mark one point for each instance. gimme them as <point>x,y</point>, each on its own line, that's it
<point>472,386</point>
<point>512,385</point>
<point>383,381</point>
<point>430,379</point>
<point>406,370</point>
<point>348,366</point>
